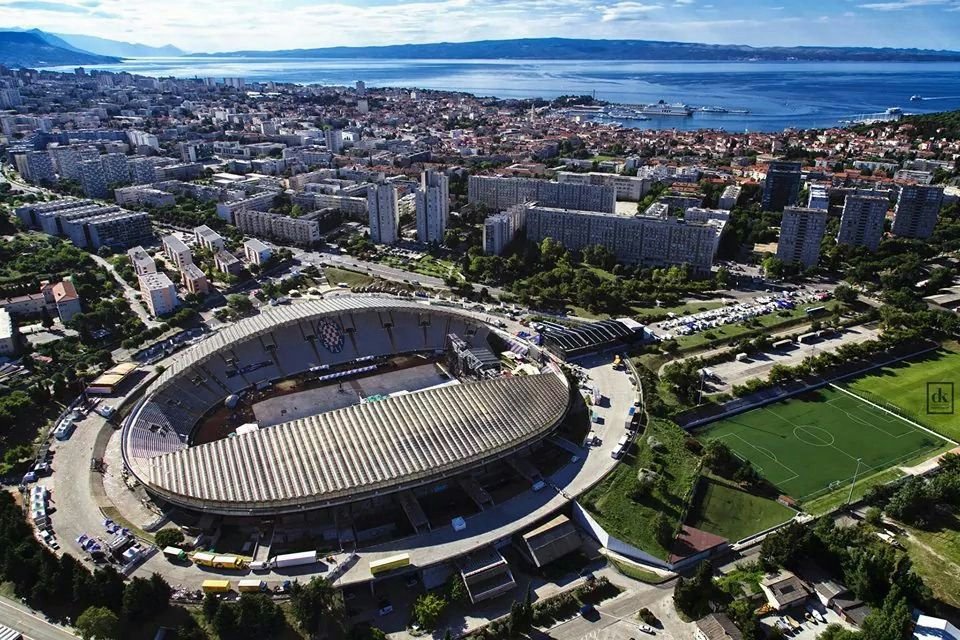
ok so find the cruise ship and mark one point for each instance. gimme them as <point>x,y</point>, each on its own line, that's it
<point>661,108</point>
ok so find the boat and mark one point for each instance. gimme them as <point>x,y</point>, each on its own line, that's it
<point>661,108</point>
<point>916,98</point>
<point>713,110</point>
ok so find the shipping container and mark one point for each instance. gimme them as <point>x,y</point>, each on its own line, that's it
<point>388,564</point>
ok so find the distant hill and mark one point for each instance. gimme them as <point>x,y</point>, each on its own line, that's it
<point>576,49</point>
<point>105,47</point>
<point>943,124</point>
<point>34,49</point>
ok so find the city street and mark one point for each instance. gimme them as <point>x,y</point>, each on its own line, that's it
<point>128,292</point>
<point>30,624</point>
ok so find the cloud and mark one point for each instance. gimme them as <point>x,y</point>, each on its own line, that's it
<point>900,5</point>
<point>628,11</point>
<point>39,5</point>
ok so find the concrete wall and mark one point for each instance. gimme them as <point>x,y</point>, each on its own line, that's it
<point>593,528</point>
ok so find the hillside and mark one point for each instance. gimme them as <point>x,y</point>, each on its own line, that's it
<point>30,49</point>
<point>576,49</point>
<point>105,47</point>
<point>943,124</point>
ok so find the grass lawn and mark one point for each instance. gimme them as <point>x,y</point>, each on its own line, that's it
<point>727,511</point>
<point>637,573</point>
<point>632,521</point>
<point>904,385</point>
<point>830,502</point>
<point>351,278</point>
<point>936,557</point>
<point>809,445</point>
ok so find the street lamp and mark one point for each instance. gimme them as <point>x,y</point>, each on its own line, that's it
<point>853,482</point>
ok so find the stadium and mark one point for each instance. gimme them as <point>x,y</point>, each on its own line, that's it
<point>335,402</point>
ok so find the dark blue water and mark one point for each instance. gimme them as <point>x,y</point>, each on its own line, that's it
<point>777,94</point>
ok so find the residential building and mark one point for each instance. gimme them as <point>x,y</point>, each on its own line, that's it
<point>10,98</point>
<point>334,140</point>
<point>258,202</point>
<point>93,179</point>
<point>642,239</point>
<point>194,280</point>
<point>630,188</point>
<point>502,193</point>
<point>142,171</point>
<point>117,229</point>
<point>36,167</point>
<point>30,214</point>
<point>432,206</point>
<point>9,335</point>
<point>918,208</point>
<point>729,197</point>
<point>142,194</point>
<point>303,231</point>
<point>66,298</point>
<point>226,262</point>
<point>801,231</point>
<point>818,198</point>
<point>383,213</point>
<point>116,170</point>
<point>717,626</point>
<point>861,223</point>
<point>208,238</point>
<point>141,261</point>
<point>932,628</point>
<point>177,251</point>
<point>782,185</point>
<point>501,229</point>
<point>256,252</point>
<point>159,293</point>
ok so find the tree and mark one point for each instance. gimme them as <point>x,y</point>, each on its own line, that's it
<point>168,538</point>
<point>457,590</point>
<point>781,548</point>
<point>46,320</point>
<point>316,604</point>
<point>98,623</point>
<point>211,603</point>
<point>845,293</point>
<point>427,610</point>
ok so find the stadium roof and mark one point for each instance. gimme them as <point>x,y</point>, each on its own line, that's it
<point>581,338</point>
<point>350,453</point>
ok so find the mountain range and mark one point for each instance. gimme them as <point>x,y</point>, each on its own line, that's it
<point>36,48</point>
<point>581,49</point>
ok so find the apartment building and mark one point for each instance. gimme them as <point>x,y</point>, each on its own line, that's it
<point>93,179</point>
<point>432,206</point>
<point>861,223</point>
<point>208,238</point>
<point>194,280</point>
<point>141,261</point>
<point>36,167</point>
<point>801,231</point>
<point>142,170</point>
<point>159,293</point>
<point>918,208</point>
<point>631,188</point>
<point>642,239</point>
<point>226,262</point>
<point>104,227</point>
<point>258,202</point>
<point>176,251</point>
<point>499,230</point>
<point>818,198</point>
<point>383,213</point>
<point>729,197</point>
<point>116,169</point>
<point>143,195</point>
<point>500,194</point>
<point>256,252</point>
<point>334,140</point>
<point>9,336</point>
<point>303,231</point>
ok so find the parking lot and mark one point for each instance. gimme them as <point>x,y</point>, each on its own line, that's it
<point>728,374</point>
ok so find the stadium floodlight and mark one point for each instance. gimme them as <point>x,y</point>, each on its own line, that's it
<point>853,483</point>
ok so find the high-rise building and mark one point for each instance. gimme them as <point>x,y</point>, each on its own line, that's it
<point>801,231</point>
<point>361,88</point>
<point>862,221</point>
<point>818,198</point>
<point>334,140</point>
<point>502,193</point>
<point>10,98</point>
<point>142,171</point>
<point>176,251</point>
<point>383,213</point>
<point>918,208</point>
<point>141,261</point>
<point>115,169</point>
<point>782,185</point>
<point>303,231</point>
<point>500,229</point>
<point>93,179</point>
<point>433,206</point>
<point>631,188</point>
<point>36,167</point>
<point>729,197</point>
<point>159,293</point>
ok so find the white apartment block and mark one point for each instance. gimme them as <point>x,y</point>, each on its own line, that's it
<point>499,230</point>
<point>299,231</point>
<point>729,197</point>
<point>227,210</point>
<point>334,140</point>
<point>432,206</point>
<point>383,213</point>
<point>194,279</point>
<point>631,188</point>
<point>256,252</point>
<point>142,263</point>
<point>502,193</point>
<point>208,238</point>
<point>818,197</point>
<point>801,231</point>
<point>862,221</point>
<point>9,342</point>
<point>644,240</point>
<point>176,251</point>
<point>918,208</point>
<point>159,293</point>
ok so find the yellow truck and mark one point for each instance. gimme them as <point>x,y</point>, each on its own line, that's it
<point>215,586</point>
<point>203,559</point>
<point>227,562</point>
<point>388,564</point>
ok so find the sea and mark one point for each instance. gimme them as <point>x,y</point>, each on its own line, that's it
<point>777,95</point>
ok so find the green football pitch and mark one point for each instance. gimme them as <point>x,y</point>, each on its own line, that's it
<point>809,445</point>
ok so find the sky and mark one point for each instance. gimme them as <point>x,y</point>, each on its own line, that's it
<point>230,25</point>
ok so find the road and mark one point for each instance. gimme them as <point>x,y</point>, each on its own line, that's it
<point>32,626</point>
<point>128,292</point>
